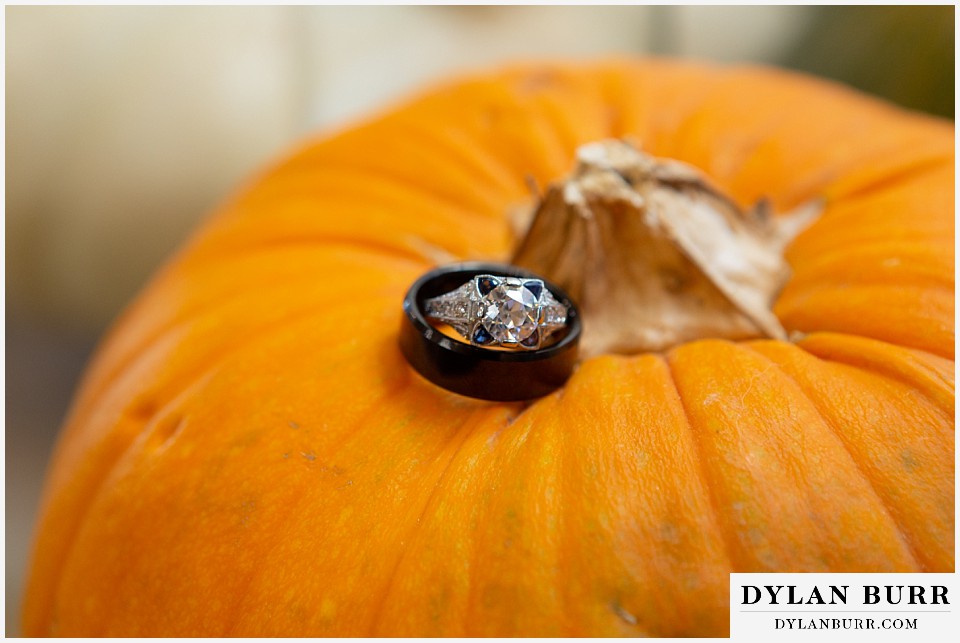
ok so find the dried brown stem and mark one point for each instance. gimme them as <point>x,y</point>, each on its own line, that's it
<point>655,256</point>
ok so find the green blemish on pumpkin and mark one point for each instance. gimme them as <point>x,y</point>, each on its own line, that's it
<point>910,463</point>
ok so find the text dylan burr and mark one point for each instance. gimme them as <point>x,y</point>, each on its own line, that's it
<point>837,595</point>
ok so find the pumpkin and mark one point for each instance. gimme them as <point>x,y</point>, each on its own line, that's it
<point>249,454</point>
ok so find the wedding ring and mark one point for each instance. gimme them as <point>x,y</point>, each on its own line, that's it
<point>520,332</point>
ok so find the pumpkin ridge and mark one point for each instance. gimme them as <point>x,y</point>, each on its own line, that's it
<point>334,175</point>
<point>725,79</point>
<point>570,485</point>
<point>685,144</point>
<point>209,307</point>
<point>779,442</point>
<point>568,129</point>
<point>44,614</point>
<point>729,167</point>
<point>351,256</point>
<point>455,185</point>
<point>322,240</point>
<point>932,438</point>
<point>933,238</point>
<point>854,350</point>
<point>465,152</point>
<point>393,390</point>
<point>611,88</point>
<point>353,436</point>
<point>549,106</point>
<point>129,441</point>
<point>624,81</point>
<point>892,204</point>
<point>370,173</point>
<point>723,528</point>
<point>919,266</point>
<point>444,588</point>
<point>114,445</point>
<point>461,436</point>
<point>884,502</point>
<point>926,330</point>
<point>515,465</point>
<point>546,101</point>
<point>542,97</point>
<point>894,177</point>
<point>565,535</point>
<point>405,246</point>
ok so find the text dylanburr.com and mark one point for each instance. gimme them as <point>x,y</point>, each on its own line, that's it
<point>844,607</point>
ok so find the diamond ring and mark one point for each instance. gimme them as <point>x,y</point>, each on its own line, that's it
<point>499,310</point>
<point>492,306</point>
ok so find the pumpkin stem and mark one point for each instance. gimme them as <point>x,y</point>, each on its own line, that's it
<point>656,256</point>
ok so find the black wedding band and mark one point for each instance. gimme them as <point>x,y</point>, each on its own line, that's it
<point>476,371</point>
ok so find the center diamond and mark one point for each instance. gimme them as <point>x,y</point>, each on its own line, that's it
<point>509,311</point>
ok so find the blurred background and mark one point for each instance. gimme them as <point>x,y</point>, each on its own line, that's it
<point>124,125</point>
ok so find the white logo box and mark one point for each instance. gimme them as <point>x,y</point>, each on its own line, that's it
<point>844,607</point>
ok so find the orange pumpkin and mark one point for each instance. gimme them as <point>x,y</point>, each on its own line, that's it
<point>249,453</point>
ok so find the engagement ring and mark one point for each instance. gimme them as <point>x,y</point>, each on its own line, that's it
<point>520,332</point>
<point>500,310</point>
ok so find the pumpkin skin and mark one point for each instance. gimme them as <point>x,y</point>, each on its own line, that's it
<point>249,454</point>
